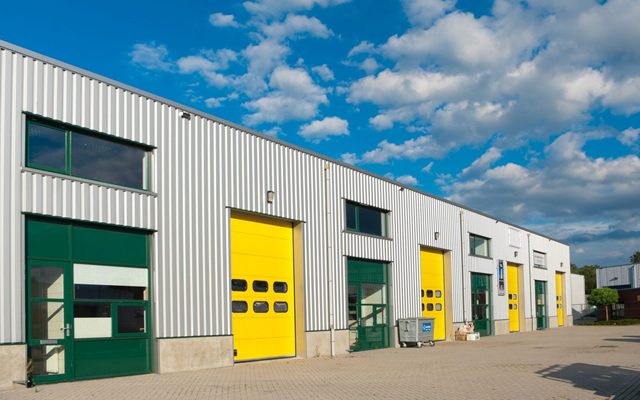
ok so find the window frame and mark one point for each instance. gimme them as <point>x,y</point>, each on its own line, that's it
<point>472,248</point>
<point>533,260</point>
<point>69,129</point>
<point>384,223</point>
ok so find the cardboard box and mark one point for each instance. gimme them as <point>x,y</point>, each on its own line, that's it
<point>473,336</point>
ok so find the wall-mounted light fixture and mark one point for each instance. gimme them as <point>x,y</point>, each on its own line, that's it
<point>401,189</point>
<point>436,235</point>
<point>271,195</point>
<point>515,253</point>
<point>561,264</point>
<point>186,116</point>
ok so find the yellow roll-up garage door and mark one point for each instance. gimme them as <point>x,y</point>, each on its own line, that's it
<point>514,297</point>
<point>560,297</point>
<point>262,285</point>
<point>432,290</point>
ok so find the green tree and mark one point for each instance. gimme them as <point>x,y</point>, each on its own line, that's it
<point>635,258</point>
<point>603,297</point>
<point>589,273</point>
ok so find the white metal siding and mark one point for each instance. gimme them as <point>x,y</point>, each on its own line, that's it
<point>202,169</point>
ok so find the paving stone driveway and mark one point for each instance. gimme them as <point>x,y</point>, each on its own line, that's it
<point>567,363</point>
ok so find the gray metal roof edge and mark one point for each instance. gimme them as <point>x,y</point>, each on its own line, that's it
<point>618,265</point>
<point>26,52</point>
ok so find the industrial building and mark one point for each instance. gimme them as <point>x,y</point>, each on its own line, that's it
<point>626,280</point>
<point>140,235</point>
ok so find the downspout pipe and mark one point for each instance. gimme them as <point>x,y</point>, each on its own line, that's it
<point>532,308</point>
<point>464,313</point>
<point>330,291</point>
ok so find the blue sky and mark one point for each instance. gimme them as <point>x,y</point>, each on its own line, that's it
<point>528,110</point>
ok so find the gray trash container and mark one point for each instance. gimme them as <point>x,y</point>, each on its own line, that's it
<point>415,331</point>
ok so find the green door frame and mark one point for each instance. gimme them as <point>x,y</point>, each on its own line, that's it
<point>541,305</point>
<point>481,284</point>
<point>381,332</point>
<point>67,302</point>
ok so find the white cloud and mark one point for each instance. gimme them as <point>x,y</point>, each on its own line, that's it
<point>322,129</point>
<point>412,149</point>
<point>363,47</point>
<point>296,25</point>
<point>390,88</point>
<point>629,136</point>
<point>151,56</point>
<point>482,163</point>
<point>208,64</point>
<point>369,65</point>
<point>407,180</point>
<point>263,57</point>
<point>294,96</point>
<point>350,158</point>
<point>223,20</point>
<point>214,102</point>
<point>275,8</point>
<point>424,12</point>
<point>427,168</point>
<point>324,72</point>
<point>566,185</point>
<point>381,122</point>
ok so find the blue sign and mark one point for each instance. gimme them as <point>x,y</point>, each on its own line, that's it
<point>426,327</point>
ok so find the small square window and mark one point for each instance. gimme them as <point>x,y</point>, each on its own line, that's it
<point>260,286</point>
<point>429,293</point>
<point>238,306</point>
<point>438,307</point>
<point>479,245</point>
<point>280,287</point>
<point>429,307</point>
<point>260,307</point>
<point>280,307</point>
<point>438,294</point>
<point>238,285</point>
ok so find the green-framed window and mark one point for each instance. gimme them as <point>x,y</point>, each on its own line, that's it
<point>64,149</point>
<point>366,219</point>
<point>479,245</point>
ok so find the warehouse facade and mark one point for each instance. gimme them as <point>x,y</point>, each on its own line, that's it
<point>139,235</point>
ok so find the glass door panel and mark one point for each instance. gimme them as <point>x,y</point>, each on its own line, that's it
<point>541,304</point>
<point>481,303</point>
<point>49,322</point>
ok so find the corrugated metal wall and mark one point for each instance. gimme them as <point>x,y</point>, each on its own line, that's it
<point>618,275</point>
<point>202,168</point>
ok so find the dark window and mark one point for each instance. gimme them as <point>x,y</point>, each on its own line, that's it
<point>92,310</point>
<point>238,285</point>
<point>260,306</point>
<point>352,210</point>
<point>510,296</point>
<point>109,292</point>
<point>366,219</point>
<point>479,246</point>
<point>260,286</point>
<point>429,307</point>
<point>421,292</point>
<point>422,306</point>
<point>510,306</point>
<point>280,307</point>
<point>69,151</point>
<point>280,287</point>
<point>429,293</point>
<point>46,147</point>
<point>131,319</point>
<point>239,306</point>
<point>107,161</point>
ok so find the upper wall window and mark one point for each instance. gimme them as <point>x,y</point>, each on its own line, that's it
<point>479,245</point>
<point>71,151</point>
<point>364,219</point>
<point>539,260</point>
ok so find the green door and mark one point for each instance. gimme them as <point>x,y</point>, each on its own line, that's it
<point>87,301</point>
<point>367,298</point>
<point>49,335</point>
<point>541,305</point>
<point>481,303</point>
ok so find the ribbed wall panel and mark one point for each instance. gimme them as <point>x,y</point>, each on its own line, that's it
<point>203,169</point>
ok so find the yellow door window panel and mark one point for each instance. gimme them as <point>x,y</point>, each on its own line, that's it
<point>263,319</point>
<point>432,292</point>
<point>513,297</point>
<point>560,297</point>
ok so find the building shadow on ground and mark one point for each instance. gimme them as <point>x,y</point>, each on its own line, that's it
<point>627,338</point>
<point>602,380</point>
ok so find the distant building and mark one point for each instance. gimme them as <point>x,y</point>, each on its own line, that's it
<point>625,278</point>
